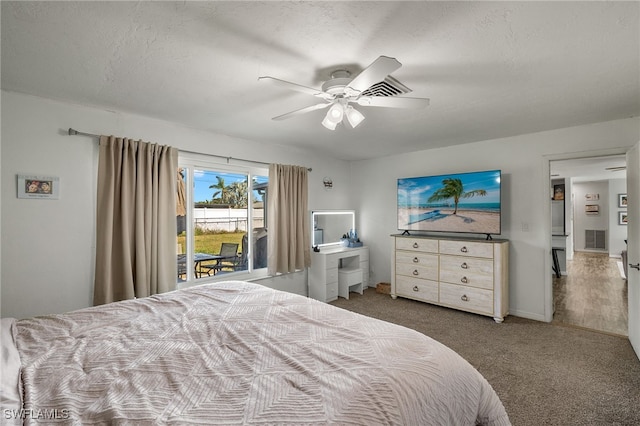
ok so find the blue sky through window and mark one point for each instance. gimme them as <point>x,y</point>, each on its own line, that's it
<point>203,179</point>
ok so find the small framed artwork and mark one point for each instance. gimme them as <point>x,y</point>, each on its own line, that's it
<point>40,187</point>
<point>558,192</point>
<point>592,197</point>
<point>622,218</point>
<point>622,200</point>
<point>592,209</point>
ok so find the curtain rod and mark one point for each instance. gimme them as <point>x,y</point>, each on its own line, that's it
<point>73,132</point>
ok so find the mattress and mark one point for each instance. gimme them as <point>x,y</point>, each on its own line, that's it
<point>236,353</point>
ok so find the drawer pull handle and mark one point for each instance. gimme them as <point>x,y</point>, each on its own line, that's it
<point>464,249</point>
<point>464,280</point>
<point>415,245</point>
<point>464,265</point>
<point>416,260</point>
<point>464,298</point>
<point>415,288</point>
<point>415,272</point>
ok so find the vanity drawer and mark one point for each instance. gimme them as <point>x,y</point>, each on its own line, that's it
<point>417,244</point>
<point>364,255</point>
<point>332,291</point>
<point>466,248</point>
<point>417,288</point>
<point>469,271</point>
<point>332,275</point>
<point>467,298</point>
<point>332,260</point>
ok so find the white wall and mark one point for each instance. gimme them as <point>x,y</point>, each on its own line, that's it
<point>583,220</point>
<point>618,233</point>
<point>526,219</point>
<point>48,246</point>
<point>608,217</point>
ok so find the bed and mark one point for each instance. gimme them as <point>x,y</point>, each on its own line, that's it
<point>234,353</point>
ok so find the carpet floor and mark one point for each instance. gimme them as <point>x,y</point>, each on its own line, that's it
<point>544,374</point>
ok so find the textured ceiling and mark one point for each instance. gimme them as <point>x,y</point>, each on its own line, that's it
<point>491,69</point>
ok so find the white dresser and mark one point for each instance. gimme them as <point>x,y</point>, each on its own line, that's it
<point>466,274</point>
<point>325,265</point>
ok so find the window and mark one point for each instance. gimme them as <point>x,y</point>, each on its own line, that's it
<point>221,217</point>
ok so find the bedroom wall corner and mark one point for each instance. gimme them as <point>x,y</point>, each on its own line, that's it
<point>47,265</point>
<point>525,213</point>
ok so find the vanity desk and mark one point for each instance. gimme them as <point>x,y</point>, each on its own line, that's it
<point>337,270</point>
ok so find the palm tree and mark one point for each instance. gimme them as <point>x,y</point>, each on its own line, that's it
<point>238,192</point>
<point>223,190</point>
<point>453,188</point>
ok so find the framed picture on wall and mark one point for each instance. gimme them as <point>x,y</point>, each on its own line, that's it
<point>40,187</point>
<point>558,192</point>
<point>592,197</point>
<point>622,200</point>
<point>622,218</point>
<point>592,209</point>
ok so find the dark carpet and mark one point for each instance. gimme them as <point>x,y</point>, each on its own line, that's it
<point>544,374</point>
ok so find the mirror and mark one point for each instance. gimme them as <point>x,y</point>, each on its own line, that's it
<point>328,226</point>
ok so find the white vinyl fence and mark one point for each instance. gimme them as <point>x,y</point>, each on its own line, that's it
<point>230,220</point>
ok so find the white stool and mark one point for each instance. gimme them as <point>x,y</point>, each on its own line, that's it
<point>349,279</point>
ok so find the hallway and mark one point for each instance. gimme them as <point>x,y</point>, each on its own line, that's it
<point>592,295</point>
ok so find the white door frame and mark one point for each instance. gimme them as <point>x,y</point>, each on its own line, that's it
<point>546,174</point>
<point>633,245</point>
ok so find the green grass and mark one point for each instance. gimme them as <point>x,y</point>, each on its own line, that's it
<point>211,242</point>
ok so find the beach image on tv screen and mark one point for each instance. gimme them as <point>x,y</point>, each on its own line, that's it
<point>463,202</point>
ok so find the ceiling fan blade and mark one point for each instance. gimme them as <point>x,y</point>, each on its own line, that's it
<point>374,73</point>
<point>302,111</point>
<point>392,101</point>
<point>297,87</point>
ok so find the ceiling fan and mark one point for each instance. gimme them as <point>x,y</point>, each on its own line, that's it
<point>373,87</point>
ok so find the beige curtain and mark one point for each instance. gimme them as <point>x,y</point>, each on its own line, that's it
<point>289,241</point>
<point>136,221</point>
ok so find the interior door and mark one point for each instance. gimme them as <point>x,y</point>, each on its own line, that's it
<point>633,245</point>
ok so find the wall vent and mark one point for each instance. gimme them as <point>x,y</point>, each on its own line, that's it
<point>595,239</point>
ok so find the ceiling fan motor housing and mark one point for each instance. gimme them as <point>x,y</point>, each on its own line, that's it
<point>336,86</point>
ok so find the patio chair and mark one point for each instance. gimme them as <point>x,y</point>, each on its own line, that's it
<point>228,260</point>
<point>182,267</point>
<point>241,263</point>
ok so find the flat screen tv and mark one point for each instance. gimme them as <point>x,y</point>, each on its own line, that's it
<point>461,202</point>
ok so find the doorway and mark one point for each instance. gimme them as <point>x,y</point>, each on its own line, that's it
<point>589,289</point>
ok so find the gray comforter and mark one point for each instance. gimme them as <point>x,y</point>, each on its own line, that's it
<point>241,353</point>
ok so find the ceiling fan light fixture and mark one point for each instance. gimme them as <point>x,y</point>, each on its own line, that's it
<point>335,113</point>
<point>329,124</point>
<point>354,116</point>
<point>334,116</point>
<point>373,86</point>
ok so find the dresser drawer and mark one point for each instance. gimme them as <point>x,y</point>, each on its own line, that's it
<point>417,258</point>
<point>417,288</point>
<point>466,248</point>
<point>418,271</point>
<point>469,271</point>
<point>332,275</point>
<point>467,298</point>
<point>415,264</point>
<point>417,244</point>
